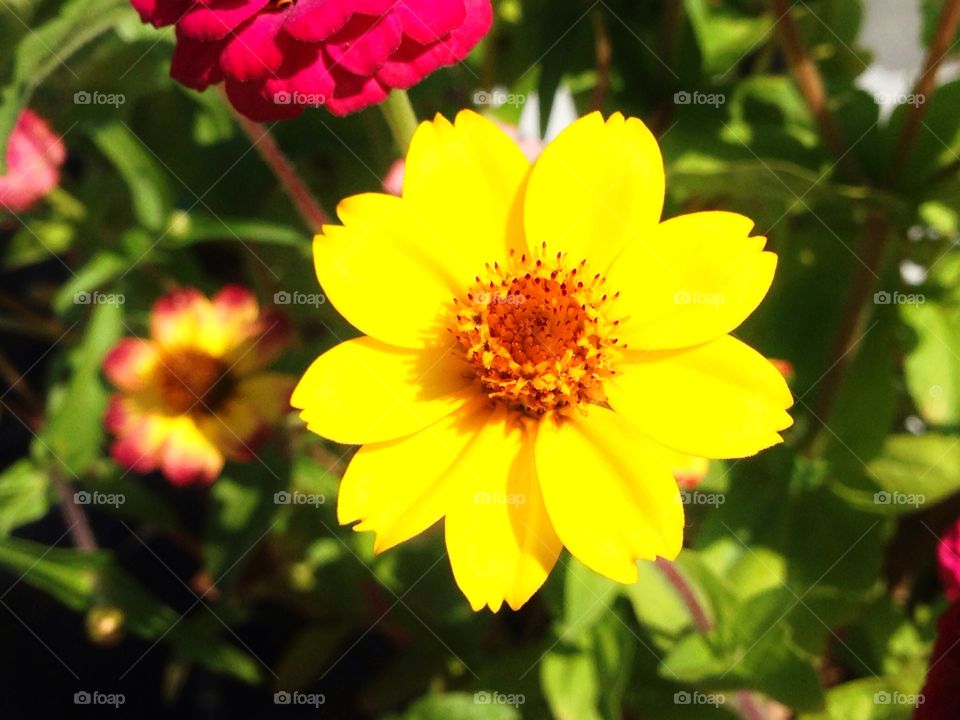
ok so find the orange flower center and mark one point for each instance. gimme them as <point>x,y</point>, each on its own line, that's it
<point>538,333</point>
<point>191,380</point>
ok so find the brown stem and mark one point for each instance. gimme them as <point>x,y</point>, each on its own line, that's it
<point>686,593</point>
<point>73,515</point>
<point>810,83</point>
<point>940,45</point>
<point>297,190</point>
<point>603,53</point>
<point>17,384</point>
<point>748,705</point>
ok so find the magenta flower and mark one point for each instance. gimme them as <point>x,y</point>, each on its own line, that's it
<point>948,561</point>
<point>34,156</point>
<point>277,57</point>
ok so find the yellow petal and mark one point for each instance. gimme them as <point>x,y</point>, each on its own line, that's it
<point>364,391</point>
<point>596,187</point>
<point>609,494</point>
<point>499,537</point>
<point>465,181</point>
<point>692,279</point>
<point>719,400</point>
<point>384,271</point>
<point>398,489</point>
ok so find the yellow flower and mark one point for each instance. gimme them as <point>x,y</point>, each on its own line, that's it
<point>535,338</point>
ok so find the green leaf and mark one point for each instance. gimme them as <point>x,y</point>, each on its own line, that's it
<point>883,698</point>
<point>242,514</point>
<point>36,241</point>
<point>24,495</point>
<point>725,34</point>
<point>74,432</point>
<point>657,604</point>
<point>587,597</point>
<point>147,180</point>
<point>81,580</point>
<point>97,272</point>
<point>460,706</point>
<point>915,471</point>
<point>47,48</point>
<point>186,230</point>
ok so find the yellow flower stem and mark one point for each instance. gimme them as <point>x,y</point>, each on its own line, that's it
<point>400,117</point>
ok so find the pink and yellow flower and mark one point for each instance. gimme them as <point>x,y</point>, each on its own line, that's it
<point>276,57</point>
<point>35,154</point>
<point>197,392</point>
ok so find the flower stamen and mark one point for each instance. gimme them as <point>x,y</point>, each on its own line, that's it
<point>539,333</point>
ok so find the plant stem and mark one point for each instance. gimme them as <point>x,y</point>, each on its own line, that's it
<point>808,80</point>
<point>940,45</point>
<point>745,700</point>
<point>296,189</point>
<point>400,117</point>
<point>73,515</point>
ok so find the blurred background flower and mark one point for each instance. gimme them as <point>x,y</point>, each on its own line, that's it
<point>196,392</point>
<point>34,155</point>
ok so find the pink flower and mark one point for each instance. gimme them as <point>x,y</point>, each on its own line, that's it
<point>34,156</point>
<point>197,392</point>
<point>948,560</point>
<point>277,57</point>
<point>939,698</point>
